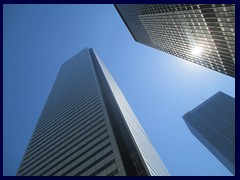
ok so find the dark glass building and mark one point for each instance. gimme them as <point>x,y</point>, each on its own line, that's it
<point>213,124</point>
<point>87,128</point>
<point>200,33</point>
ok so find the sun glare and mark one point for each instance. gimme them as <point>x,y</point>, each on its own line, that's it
<point>196,50</point>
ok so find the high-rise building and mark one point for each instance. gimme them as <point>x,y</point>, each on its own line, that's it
<point>213,124</point>
<point>87,128</point>
<point>200,33</point>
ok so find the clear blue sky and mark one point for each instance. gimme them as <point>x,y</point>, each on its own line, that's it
<point>159,87</point>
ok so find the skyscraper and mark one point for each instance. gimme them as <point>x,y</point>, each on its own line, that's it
<point>200,33</point>
<point>213,124</point>
<point>87,128</point>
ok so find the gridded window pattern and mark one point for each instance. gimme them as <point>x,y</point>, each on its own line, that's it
<point>213,123</point>
<point>71,137</point>
<point>83,130</point>
<point>179,29</point>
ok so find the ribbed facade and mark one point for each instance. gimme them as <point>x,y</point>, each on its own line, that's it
<point>213,124</point>
<point>87,128</point>
<point>184,29</point>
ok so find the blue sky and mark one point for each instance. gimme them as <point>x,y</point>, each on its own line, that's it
<point>159,87</point>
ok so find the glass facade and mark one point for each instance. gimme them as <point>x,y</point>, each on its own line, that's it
<point>213,123</point>
<point>86,129</point>
<point>183,29</point>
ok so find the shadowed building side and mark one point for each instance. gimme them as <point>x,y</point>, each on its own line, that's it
<point>213,124</point>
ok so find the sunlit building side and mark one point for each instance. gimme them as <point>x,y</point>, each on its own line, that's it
<point>213,124</point>
<point>87,128</point>
<point>200,33</point>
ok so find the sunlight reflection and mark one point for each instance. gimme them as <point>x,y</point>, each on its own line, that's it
<point>196,50</point>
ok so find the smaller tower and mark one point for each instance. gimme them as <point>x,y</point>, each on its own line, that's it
<point>213,124</point>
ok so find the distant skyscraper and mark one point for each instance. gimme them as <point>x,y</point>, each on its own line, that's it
<point>87,128</point>
<point>213,123</point>
<point>200,33</point>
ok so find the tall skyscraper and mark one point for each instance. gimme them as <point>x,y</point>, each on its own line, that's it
<point>87,128</point>
<point>200,33</point>
<point>213,124</point>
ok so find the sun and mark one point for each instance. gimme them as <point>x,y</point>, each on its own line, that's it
<point>196,50</point>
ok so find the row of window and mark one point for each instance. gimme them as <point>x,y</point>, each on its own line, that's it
<point>90,165</point>
<point>202,62</point>
<point>214,56</point>
<point>180,38</point>
<point>82,132</point>
<point>61,123</point>
<point>218,29</point>
<point>79,159</point>
<point>51,132</point>
<point>56,98</point>
<point>213,132</point>
<point>63,132</point>
<point>148,9</point>
<point>63,147</point>
<point>183,52</point>
<point>60,109</point>
<point>49,161</point>
<point>53,105</point>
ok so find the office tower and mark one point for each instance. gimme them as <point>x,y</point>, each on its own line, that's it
<point>213,124</point>
<point>200,33</point>
<point>87,128</point>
